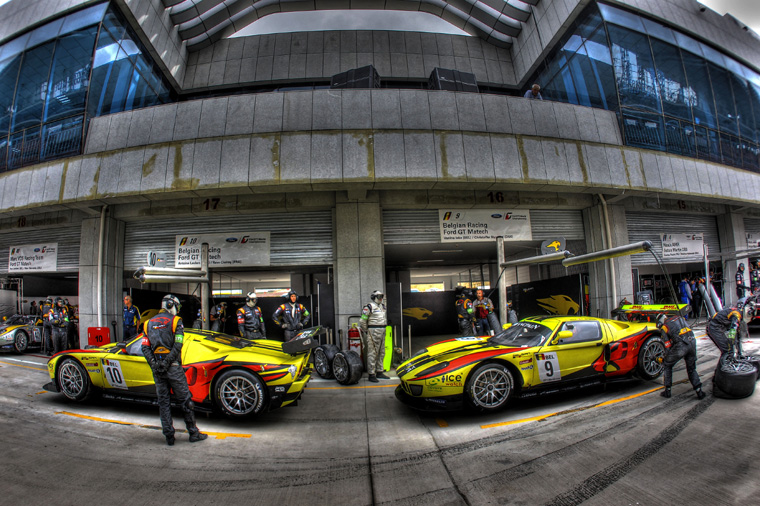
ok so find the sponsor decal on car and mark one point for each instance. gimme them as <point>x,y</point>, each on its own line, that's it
<point>467,339</point>
<point>523,362</point>
<point>279,389</point>
<point>530,367</point>
<point>452,380</point>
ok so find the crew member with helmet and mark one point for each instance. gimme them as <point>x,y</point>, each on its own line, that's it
<point>754,277</point>
<point>59,321</point>
<point>47,327</point>
<point>464,311</point>
<point>198,322</point>
<point>131,318</point>
<point>251,319</point>
<point>740,286</point>
<point>373,322</point>
<point>72,336</point>
<point>162,346</point>
<point>218,317</point>
<point>291,316</point>
<point>511,313</point>
<point>683,345</point>
<point>721,328</point>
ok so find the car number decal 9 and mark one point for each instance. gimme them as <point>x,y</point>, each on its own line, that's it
<point>114,377</point>
<point>548,367</point>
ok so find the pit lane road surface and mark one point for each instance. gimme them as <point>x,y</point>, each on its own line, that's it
<point>358,445</point>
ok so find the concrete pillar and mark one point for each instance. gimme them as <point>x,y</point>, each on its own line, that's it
<point>601,296</point>
<point>732,238</point>
<point>112,275</point>
<point>359,255</point>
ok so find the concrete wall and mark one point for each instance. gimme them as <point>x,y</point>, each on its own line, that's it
<point>320,55</point>
<point>17,16</point>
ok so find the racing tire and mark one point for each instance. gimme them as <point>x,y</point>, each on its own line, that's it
<point>347,367</point>
<point>73,380</point>
<point>323,359</point>
<point>754,361</point>
<point>20,341</point>
<point>734,379</point>
<point>239,394</point>
<point>489,387</point>
<point>651,358</point>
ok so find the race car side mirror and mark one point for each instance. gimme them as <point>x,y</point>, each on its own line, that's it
<point>562,335</point>
<point>506,325</point>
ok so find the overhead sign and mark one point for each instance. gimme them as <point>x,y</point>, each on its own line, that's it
<point>155,259</point>
<point>682,245</point>
<point>479,225</point>
<point>225,250</point>
<point>753,240</point>
<point>33,257</point>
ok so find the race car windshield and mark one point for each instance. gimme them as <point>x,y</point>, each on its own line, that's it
<point>16,320</point>
<point>523,334</point>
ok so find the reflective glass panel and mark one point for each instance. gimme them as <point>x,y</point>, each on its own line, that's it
<point>724,99</point>
<point>3,153</point>
<point>61,138</point>
<point>70,73</point>
<point>8,75</point>
<point>32,87</point>
<point>730,150</point>
<point>643,130</point>
<point>634,69</point>
<point>671,80</point>
<point>86,17</point>
<point>700,96</point>
<point>621,17</point>
<point>111,77</point>
<point>708,147</point>
<point>15,143</point>
<point>743,103</point>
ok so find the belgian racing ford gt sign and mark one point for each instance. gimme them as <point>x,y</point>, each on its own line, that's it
<point>33,257</point>
<point>224,250</point>
<point>480,225</point>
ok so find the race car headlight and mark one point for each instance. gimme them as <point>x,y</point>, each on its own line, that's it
<point>292,370</point>
<point>7,337</point>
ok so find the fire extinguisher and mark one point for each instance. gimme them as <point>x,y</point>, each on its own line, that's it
<point>355,340</point>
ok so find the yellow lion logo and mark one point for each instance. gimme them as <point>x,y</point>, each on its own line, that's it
<point>559,304</point>
<point>420,313</point>
<point>555,245</point>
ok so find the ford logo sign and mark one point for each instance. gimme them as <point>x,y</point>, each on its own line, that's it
<point>231,239</point>
<point>36,250</point>
<point>495,216</point>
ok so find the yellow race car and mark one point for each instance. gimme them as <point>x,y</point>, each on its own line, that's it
<point>19,333</point>
<point>240,378</point>
<point>537,355</point>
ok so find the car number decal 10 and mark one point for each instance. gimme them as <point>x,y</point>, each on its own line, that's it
<point>114,377</point>
<point>548,367</point>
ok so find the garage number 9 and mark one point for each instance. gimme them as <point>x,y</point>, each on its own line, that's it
<point>548,367</point>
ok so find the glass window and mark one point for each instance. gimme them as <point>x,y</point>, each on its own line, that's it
<point>671,80</point>
<point>601,62</point>
<point>700,96</point>
<point>724,99</point>
<point>86,17</point>
<point>743,104</point>
<point>582,332</point>
<point>659,31</point>
<point>634,69</point>
<point>730,150</point>
<point>111,77</point>
<point>586,82</point>
<point>679,137</point>
<point>8,76</point>
<point>70,73</point>
<point>621,17</point>
<point>32,87</point>
<point>643,130</point>
<point>754,97</point>
<point>62,138</point>
<point>24,148</point>
<point>707,144</point>
<point>14,47</point>
<point>589,24</point>
<point>689,44</point>
<point>3,153</point>
<point>113,23</point>
<point>44,33</point>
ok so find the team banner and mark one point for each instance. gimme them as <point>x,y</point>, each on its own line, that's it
<point>480,225</point>
<point>682,245</point>
<point>224,250</point>
<point>33,257</point>
<point>753,240</point>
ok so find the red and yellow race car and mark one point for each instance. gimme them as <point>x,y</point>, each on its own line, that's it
<point>238,377</point>
<point>537,355</point>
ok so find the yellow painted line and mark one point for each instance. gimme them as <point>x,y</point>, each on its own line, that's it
<point>548,415</point>
<point>41,392</point>
<point>441,422</point>
<point>350,388</point>
<point>26,366</point>
<point>217,435</point>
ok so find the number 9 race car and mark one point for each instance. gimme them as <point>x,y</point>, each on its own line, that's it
<point>19,332</point>
<point>541,354</point>
<point>238,377</point>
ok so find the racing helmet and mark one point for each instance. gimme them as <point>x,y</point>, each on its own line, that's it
<point>291,293</point>
<point>459,292</point>
<point>49,300</point>
<point>250,299</point>
<point>58,302</point>
<point>377,295</point>
<point>171,303</point>
<point>747,309</point>
<point>741,266</point>
<point>661,320</point>
<point>222,304</point>
<point>66,301</point>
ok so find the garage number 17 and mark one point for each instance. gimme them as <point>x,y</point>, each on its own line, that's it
<point>548,367</point>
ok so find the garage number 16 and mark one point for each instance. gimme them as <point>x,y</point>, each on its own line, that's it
<point>548,367</point>
<point>114,377</point>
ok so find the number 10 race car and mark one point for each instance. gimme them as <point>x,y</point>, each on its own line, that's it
<point>537,355</point>
<point>239,377</point>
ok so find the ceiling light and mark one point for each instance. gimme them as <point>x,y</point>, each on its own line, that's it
<point>427,261</point>
<point>447,251</point>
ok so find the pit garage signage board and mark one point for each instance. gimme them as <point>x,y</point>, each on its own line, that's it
<point>480,225</point>
<point>33,257</point>
<point>224,250</point>
<point>753,240</point>
<point>682,245</point>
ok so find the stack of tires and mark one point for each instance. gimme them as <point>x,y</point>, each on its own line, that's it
<point>735,378</point>
<point>331,362</point>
